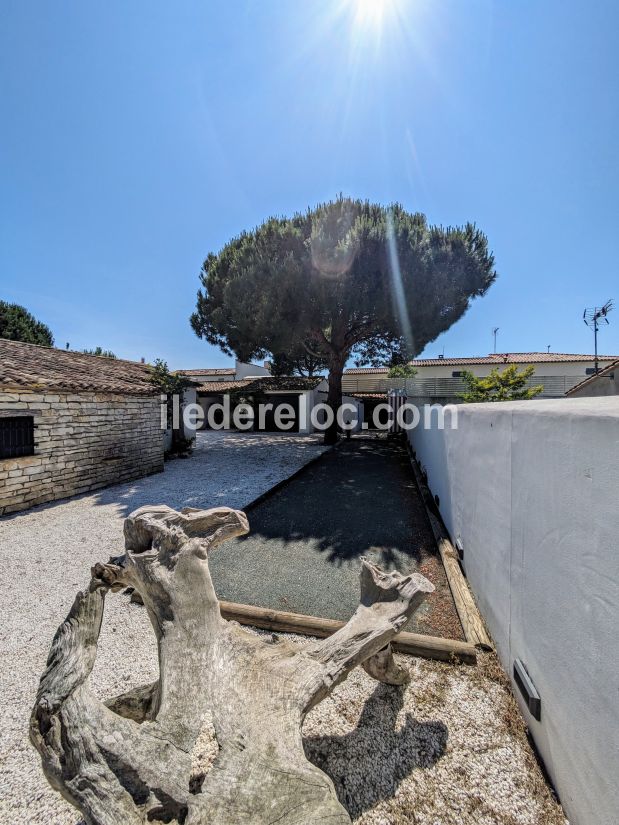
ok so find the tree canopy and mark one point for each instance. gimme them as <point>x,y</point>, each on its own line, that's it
<point>402,371</point>
<point>17,324</point>
<point>509,385</point>
<point>298,361</point>
<point>346,278</point>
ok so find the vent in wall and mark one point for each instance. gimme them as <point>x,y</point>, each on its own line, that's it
<point>528,690</point>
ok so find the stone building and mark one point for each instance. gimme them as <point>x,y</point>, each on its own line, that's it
<point>71,423</point>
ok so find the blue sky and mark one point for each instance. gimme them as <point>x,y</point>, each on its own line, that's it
<point>139,136</point>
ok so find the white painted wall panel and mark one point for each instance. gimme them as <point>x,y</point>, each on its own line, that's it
<point>532,491</point>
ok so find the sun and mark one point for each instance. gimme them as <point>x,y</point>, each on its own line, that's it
<point>371,12</point>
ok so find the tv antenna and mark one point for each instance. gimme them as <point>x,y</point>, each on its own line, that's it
<point>593,317</point>
<point>494,332</point>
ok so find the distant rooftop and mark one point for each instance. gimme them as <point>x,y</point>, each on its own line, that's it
<point>494,359</point>
<point>262,383</point>
<point>213,371</point>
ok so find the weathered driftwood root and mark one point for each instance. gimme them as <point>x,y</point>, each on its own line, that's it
<point>130,761</point>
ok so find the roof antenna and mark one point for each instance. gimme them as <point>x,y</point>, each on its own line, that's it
<point>494,332</point>
<point>593,317</point>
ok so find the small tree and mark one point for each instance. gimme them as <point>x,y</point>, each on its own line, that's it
<point>17,324</point>
<point>509,385</point>
<point>402,371</point>
<point>173,384</point>
<point>104,353</point>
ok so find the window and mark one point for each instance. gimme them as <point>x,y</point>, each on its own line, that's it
<point>590,371</point>
<point>16,436</point>
<point>456,374</point>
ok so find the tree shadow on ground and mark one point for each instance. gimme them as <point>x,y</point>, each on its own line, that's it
<point>360,499</point>
<point>368,764</point>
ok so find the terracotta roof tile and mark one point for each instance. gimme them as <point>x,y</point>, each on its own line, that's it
<point>28,366</point>
<point>221,386</point>
<point>267,383</point>
<point>214,371</point>
<point>498,359</point>
<point>362,395</point>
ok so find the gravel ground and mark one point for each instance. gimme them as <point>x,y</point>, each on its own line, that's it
<point>45,558</point>
<point>450,749</point>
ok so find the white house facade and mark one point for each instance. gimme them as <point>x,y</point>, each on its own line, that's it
<point>441,378</point>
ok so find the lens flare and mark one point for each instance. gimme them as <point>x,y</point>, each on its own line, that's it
<point>397,286</point>
<point>371,12</point>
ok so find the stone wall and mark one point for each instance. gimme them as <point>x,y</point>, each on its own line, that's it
<point>83,442</point>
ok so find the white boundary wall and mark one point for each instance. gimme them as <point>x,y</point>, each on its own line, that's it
<point>531,488</point>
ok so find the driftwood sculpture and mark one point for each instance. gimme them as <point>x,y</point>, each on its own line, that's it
<point>129,761</point>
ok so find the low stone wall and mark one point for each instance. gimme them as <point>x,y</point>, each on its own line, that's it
<point>82,442</point>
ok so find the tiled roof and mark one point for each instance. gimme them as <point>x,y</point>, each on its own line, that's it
<point>499,358</point>
<point>221,386</point>
<point>28,366</point>
<point>267,383</point>
<point>614,365</point>
<point>367,371</point>
<point>362,395</point>
<point>214,371</point>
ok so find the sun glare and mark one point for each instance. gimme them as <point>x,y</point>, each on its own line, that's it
<point>371,12</point>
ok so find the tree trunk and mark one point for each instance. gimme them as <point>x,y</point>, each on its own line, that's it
<point>130,761</point>
<point>334,397</point>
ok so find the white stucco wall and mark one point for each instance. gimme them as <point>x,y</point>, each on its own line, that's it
<point>356,416</point>
<point>243,370</point>
<point>531,490</point>
<point>189,397</point>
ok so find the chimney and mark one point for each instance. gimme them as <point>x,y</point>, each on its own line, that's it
<point>267,365</point>
<point>142,360</point>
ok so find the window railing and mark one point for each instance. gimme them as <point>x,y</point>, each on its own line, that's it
<point>16,436</point>
<point>555,386</point>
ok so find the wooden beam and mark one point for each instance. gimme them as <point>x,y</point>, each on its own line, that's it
<point>415,644</point>
<point>468,612</point>
<point>470,618</point>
